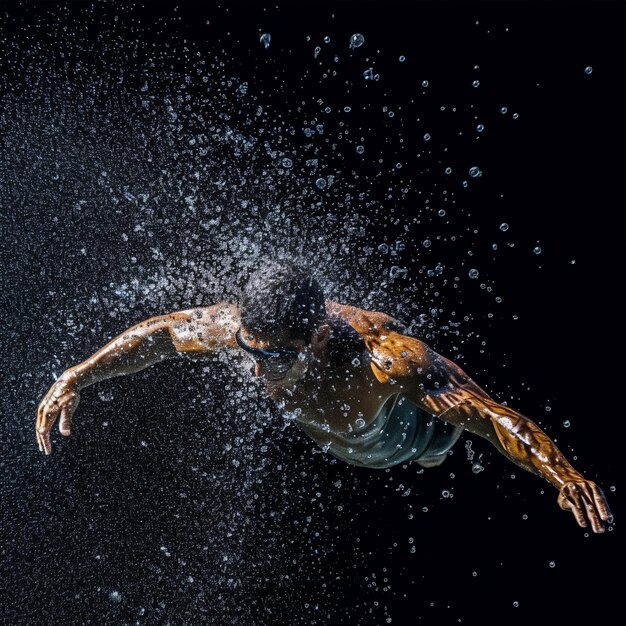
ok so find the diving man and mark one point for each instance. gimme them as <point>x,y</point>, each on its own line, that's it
<point>356,383</point>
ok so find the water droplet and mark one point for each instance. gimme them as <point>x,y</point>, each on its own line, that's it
<point>265,40</point>
<point>287,163</point>
<point>347,109</point>
<point>368,74</point>
<point>441,212</point>
<point>427,243</point>
<point>515,116</point>
<point>356,362</point>
<point>316,52</point>
<point>588,69</point>
<point>477,468</point>
<point>356,41</point>
<point>326,39</point>
<point>503,110</point>
<point>398,166</point>
<point>448,170</point>
<point>359,422</point>
<point>504,227</point>
<point>115,597</point>
<point>475,172</point>
<point>515,603</point>
<point>537,250</point>
<point>464,183</point>
<point>473,273</point>
<point>552,564</point>
<point>360,149</point>
<point>402,59</point>
<point>425,83</point>
<point>320,183</point>
<point>396,272</point>
<point>427,137</point>
<point>384,248</point>
<point>476,83</point>
<point>567,423</point>
<point>445,493</point>
<point>480,128</point>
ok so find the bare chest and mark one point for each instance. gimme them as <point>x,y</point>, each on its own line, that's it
<point>337,400</point>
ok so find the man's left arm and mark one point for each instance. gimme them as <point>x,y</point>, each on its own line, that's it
<point>444,390</point>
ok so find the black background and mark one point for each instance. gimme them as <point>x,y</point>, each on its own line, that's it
<point>81,524</point>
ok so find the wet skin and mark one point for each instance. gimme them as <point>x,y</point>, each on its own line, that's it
<point>330,398</point>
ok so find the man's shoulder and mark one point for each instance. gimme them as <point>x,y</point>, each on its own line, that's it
<point>364,321</point>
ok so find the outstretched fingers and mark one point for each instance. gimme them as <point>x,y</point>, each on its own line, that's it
<point>46,416</point>
<point>591,510</point>
<point>587,503</point>
<point>572,502</point>
<point>601,503</point>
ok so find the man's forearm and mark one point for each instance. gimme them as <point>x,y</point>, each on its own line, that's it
<point>135,349</point>
<point>528,446</point>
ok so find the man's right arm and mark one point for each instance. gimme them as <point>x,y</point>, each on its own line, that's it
<point>197,331</point>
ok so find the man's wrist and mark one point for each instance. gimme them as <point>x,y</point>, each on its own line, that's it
<point>76,376</point>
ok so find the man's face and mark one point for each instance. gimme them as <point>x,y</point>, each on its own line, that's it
<point>279,360</point>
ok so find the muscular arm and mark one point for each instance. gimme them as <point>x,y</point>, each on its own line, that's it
<point>195,331</point>
<point>444,390</point>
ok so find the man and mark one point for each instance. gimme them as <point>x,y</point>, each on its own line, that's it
<point>361,388</point>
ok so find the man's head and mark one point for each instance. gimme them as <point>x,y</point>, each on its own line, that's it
<point>282,314</point>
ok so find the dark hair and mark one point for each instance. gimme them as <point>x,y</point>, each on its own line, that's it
<point>283,297</point>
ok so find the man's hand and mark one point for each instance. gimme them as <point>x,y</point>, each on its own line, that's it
<point>60,401</point>
<point>587,502</point>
